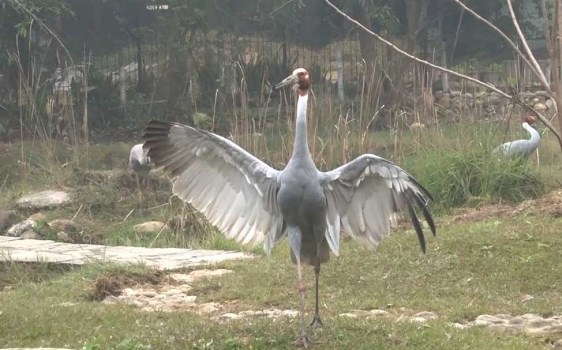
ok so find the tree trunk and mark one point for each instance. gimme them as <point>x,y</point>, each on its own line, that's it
<point>556,59</point>
<point>122,87</point>
<point>367,47</point>
<point>140,63</point>
<point>443,44</point>
<point>339,63</point>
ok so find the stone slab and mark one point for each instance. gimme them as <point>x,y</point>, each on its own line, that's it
<point>32,250</point>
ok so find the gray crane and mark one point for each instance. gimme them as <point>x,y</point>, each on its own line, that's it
<point>521,148</point>
<point>251,202</point>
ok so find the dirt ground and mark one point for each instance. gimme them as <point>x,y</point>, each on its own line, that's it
<point>550,204</point>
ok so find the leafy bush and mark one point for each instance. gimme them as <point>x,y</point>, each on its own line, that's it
<point>457,177</point>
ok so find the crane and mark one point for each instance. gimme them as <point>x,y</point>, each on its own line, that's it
<point>140,164</point>
<point>139,161</point>
<point>521,148</point>
<point>251,202</point>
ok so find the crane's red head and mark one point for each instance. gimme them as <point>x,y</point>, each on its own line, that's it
<point>529,119</point>
<point>299,80</point>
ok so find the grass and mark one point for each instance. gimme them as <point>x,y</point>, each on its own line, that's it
<point>470,269</point>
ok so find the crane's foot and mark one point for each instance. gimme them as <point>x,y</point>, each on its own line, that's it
<point>317,322</point>
<point>303,341</point>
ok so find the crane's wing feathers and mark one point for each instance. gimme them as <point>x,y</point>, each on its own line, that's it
<point>236,191</point>
<point>363,194</point>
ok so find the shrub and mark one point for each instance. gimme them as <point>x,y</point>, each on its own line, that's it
<point>457,177</point>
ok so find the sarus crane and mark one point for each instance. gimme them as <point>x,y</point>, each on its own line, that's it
<point>521,148</point>
<point>251,202</point>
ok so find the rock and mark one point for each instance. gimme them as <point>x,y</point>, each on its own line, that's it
<point>423,316</point>
<point>64,225</point>
<point>458,325</point>
<point>208,308</point>
<point>290,313</point>
<point>228,316</point>
<point>539,323</point>
<point>44,199</point>
<point>199,274</point>
<point>37,217</point>
<point>444,101</point>
<point>18,229</point>
<point>64,237</point>
<point>540,107</point>
<point>150,226</point>
<point>7,218</point>
<point>488,319</point>
<point>378,312</point>
<point>30,234</point>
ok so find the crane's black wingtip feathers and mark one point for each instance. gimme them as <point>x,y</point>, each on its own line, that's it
<point>417,226</point>
<point>422,203</point>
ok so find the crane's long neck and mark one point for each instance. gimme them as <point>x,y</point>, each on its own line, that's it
<point>300,148</point>
<point>535,136</point>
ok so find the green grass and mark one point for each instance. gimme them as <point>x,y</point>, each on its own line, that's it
<point>469,269</point>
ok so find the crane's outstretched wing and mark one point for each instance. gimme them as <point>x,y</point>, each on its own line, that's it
<point>363,194</point>
<point>236,191</point>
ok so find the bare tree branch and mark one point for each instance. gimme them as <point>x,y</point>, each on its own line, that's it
<point>538,69</point>
<point>538,72</point>
<point>439,68</point>
<point>402,52</point>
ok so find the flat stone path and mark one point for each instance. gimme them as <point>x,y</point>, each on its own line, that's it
<point>32,250</point>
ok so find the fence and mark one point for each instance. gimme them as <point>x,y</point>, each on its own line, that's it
<point>339,60</point>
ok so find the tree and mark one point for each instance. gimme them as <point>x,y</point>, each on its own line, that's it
<point>527,56</point>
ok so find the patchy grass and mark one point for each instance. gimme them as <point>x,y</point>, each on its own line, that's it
<point>482,266</point>
<point>470,269</point>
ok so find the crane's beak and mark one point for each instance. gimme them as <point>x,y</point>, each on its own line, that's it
<point>291,79</point>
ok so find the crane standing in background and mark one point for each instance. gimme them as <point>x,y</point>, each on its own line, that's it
<point>521,148</point>
<point>140,164</point>
<point>251,202</point>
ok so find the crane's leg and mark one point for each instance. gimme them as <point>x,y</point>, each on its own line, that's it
<point>316,321</point>
<point>295,242</point>
<point>139,191</point>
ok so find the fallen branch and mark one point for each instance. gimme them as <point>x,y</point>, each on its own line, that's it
<point>451,72</point>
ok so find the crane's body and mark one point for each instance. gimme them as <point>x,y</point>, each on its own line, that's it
<point>251,202</point>
<point>140,164</point>
<point>139,161</point>
<point>521,148</point>
<point>302,201</point>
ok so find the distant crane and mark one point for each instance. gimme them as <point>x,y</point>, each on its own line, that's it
<point>521,148</point>
<point>251,202</point>
<point>140,164</point>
